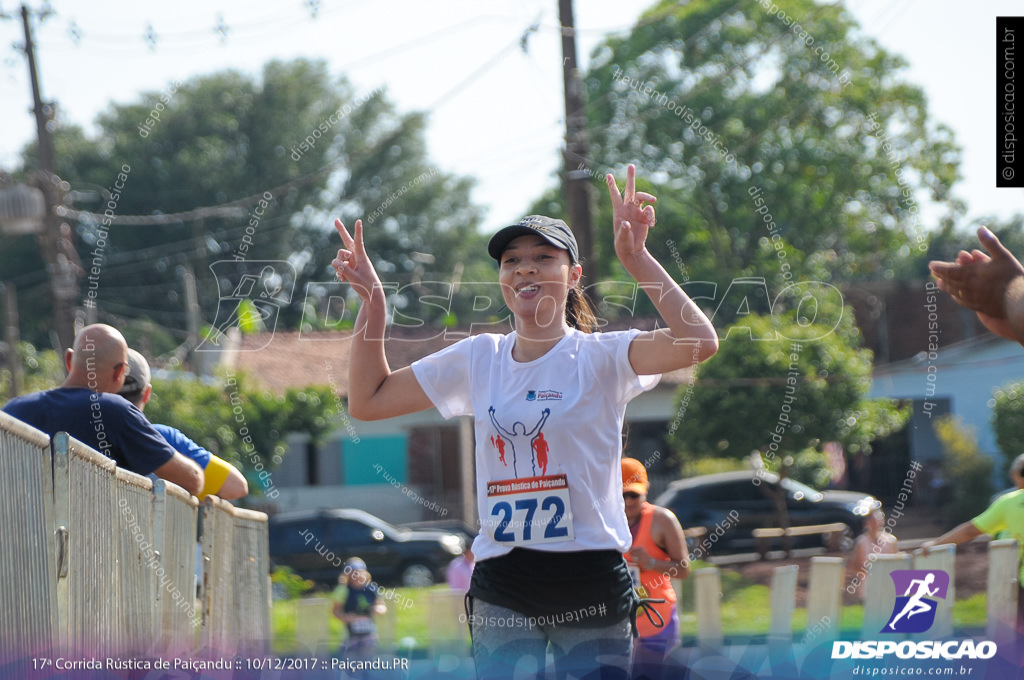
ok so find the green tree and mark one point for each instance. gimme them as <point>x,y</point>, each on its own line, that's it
<point>964,462</point>
<point>1008,419</point>
<point>317,147</point>
<point>716,100</point>
<point>40,370</point>
<point>241,422</point>
<point>777,397</point>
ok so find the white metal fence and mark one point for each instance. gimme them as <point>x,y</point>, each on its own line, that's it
<point>235,591</point>
<point>99,561</point>
<point>28,595</point>
<point>826,585</point>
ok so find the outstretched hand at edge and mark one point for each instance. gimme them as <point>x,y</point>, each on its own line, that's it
<point>979,281</point>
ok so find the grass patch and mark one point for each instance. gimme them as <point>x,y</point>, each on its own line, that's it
<point>745,611</point>
<point>409,629</point>
<point>971,613</point>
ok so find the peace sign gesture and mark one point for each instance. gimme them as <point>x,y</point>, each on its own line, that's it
<point>632,219</point>
<point>352,264</point>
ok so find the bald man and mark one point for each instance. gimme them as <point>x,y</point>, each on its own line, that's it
<point>87,407</point>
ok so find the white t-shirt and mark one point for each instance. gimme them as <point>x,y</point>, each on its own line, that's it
<point>542,425</point>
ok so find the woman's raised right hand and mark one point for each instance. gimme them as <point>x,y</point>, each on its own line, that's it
<point>352,264</point>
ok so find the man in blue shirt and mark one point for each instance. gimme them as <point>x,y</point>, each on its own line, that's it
<point>87,407</point>
<point>221,478</point>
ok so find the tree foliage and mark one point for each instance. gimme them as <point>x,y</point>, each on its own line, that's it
<point>307,143</point>
<point>1008,419</point>
<point>715,100</point>
<point>780,385</point>
<point>966,466</point>
<point>241,422</point>
<point>40,370</point>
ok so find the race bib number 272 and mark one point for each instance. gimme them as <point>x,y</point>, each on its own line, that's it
<point>530,510</point>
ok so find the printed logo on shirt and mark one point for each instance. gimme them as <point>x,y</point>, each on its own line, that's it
<point>521,440</point>
<point>543,395</point>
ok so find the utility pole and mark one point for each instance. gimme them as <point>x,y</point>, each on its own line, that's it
<point>63,280</point>
<point>11,336</point>
<point>577,180</point>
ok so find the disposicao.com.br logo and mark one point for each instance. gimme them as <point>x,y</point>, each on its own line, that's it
<point>918,591</point>
<point>914,612</point>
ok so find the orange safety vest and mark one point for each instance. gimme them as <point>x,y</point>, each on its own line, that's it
<point>657,584</point>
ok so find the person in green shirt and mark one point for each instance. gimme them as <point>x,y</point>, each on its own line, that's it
<point>1006,514</point>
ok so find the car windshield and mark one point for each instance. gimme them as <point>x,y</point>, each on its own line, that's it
<point>801,491</point>
<point>375,522</point>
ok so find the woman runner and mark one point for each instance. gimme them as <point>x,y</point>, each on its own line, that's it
<point>549,564</point>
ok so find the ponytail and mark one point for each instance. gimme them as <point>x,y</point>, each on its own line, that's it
<point>578,312</point>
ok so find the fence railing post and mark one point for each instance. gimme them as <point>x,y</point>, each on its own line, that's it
<point>249,568</point>
<point>137,570</point>
<point>783,594</point>
<point>217,590</point>
<point>100,561</point>
<point>824,594</point>
<point>880,593</point>
<point>62,538</point>
<point>28,596</point>
<point>93,548</point>
<point>159,510</point>
<point>178,557</point>
<point>1003,590</point>
<point>940,558</point>
<point>707,585</point>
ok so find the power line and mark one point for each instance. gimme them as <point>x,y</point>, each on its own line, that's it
<point>487,66</point>
<point>270,24</point>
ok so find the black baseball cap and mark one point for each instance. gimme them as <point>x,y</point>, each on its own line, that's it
<point>555,232</point>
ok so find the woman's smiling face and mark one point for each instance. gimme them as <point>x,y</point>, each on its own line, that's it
<point>535,279</point>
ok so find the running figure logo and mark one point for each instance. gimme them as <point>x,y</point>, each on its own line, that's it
<point>521,440</point>
<point>252,294</point>
<point>914,611</point>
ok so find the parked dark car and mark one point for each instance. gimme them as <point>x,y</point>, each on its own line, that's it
<point>315,544</point>
<point>451,526</point>
<point>733,502</point>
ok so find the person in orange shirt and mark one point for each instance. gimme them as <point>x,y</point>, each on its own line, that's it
<point>657,556</point>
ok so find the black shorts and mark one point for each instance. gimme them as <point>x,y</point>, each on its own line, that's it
<point>592,584</point>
